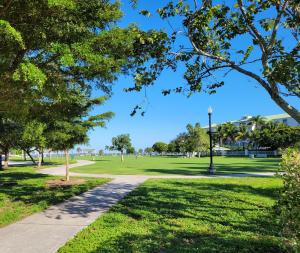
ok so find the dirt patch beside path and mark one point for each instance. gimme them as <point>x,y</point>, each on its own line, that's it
<point>62,182</point>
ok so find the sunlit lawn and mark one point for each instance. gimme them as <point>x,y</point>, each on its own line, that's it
<point>188,216</point>
<point>23,191</point>
<point>176,165</point>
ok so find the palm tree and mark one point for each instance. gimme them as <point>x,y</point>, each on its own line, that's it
<point>231,132</point>
<point>242,134</point>
<point>221,134</point>
<point>227,133</point>
<point>258,121</point>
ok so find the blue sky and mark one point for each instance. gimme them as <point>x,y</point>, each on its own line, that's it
<point>167,116</point>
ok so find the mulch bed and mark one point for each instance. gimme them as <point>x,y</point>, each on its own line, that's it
<point>63,182</point>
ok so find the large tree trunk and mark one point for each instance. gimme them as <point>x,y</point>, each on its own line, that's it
<point>274,93</point>
<point>67,164</point>
<point>6,158</point>
<point>292,111</point>
<point>24,155</point>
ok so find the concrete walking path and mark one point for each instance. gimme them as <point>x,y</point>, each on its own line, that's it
<point>61,170</point>
<point>47,231</point>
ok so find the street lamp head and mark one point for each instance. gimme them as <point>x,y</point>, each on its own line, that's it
<point>210,110</point>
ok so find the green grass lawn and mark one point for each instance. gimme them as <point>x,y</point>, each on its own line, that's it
<point>188,216</point>
<point>173,165</point>
<point>24,192</point>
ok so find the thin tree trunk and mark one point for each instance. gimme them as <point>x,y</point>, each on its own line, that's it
<point>1,166</point>
<point>6,158</point>
<point>122,157</point>
<point>31,158</point>
<point>40,159</point>
<point>67,164</point>
<point>42,156</point>
<point>24,156</point>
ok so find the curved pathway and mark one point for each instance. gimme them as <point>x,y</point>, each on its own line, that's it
<point>47,231</point>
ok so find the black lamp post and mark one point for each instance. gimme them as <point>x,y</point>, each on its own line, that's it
<point>211,169</point>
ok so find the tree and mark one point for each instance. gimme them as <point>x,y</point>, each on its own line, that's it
<point>172,147</point>
<point>221,134</point>
<point>160,147</point>
<point>65,136</point>
<point>242,134</point>
<point>258,121</point>
<point>198,139</point>
<point>130,151</point>
<point>34,136</point>
<point>149,150</point>
<point>211,33</point>
<point>68,119</point>
<point>140,151</point>
<point>227,133</point>
<point>121,143</point>
<point>10,133</point>
<point>275,135</point>
<point>101,152</point>
<point>181,143</point>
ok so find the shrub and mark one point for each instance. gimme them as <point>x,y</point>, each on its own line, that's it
<point>289,201</point>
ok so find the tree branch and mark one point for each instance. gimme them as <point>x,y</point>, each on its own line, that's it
<point>233,65</point>
<point>6,6</point>
<point>253,31</point>
<point>276,24</point>
<point>195,4</point>
<point>270,88</point>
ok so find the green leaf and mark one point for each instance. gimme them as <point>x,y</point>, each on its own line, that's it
<point>145,13</point>
<point>68,4</point>
<point>10,36</point>
<point>28,72</point>
<point>247,54</point>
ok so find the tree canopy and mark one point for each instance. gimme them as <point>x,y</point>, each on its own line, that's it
<point>160,147</point>
<point>45,45</point>
<point>207,46</point>
<point>274,136</point>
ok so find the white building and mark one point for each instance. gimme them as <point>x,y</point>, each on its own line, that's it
<point>247,120</point>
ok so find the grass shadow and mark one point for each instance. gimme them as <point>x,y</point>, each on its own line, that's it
<point>185,216</point>
<point>30,188</point>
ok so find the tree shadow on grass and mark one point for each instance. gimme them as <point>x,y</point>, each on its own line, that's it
<point>186,242</point>
<point>220,169</point>
<point>221,218</point>
<point>30,188</point>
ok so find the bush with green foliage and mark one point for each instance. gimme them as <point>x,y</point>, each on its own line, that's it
<point>289,201</point>
<point>275,135</point>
